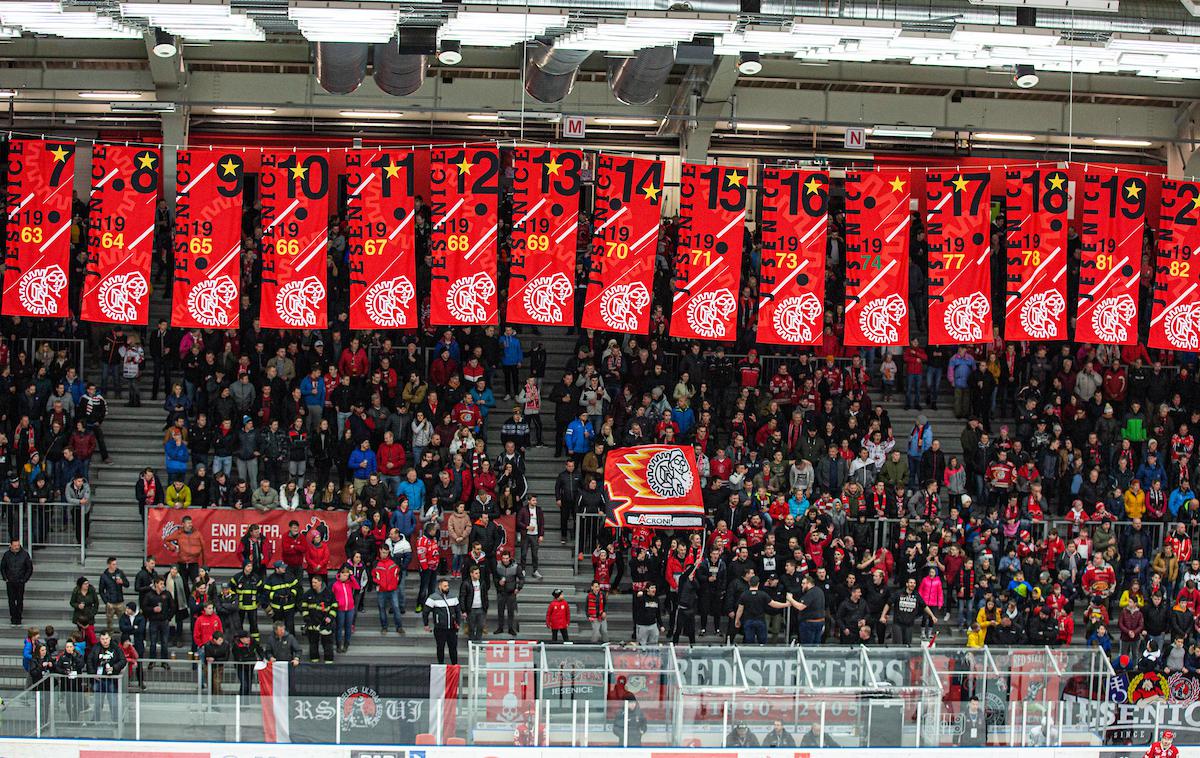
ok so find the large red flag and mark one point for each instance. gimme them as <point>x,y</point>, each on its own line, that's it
<point>116,284</point>
<point>794,219</point>
<point>464,189</point>
<point>40,176</point>
<point>381,211</point>
<point>877,228</point>
<point>708,256</point>
<point>294,192</point>
<point>545,217</point>
<point>1113,217</point>
<point>208,239</point>
<point>958,231</point>
<point>655,486</point>
<point>626,220</point>
<point>1175,316</point>
<point>1035,298</point>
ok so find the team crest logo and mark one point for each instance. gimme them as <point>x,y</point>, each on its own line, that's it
<point>668,474</point>
<point>880,319</point>
<point>121,295</point>
<point>170,536</point>
<point>544,296</point>
<point>297,301</point>
<point>707,312</point>
<point>1112,316</point>
<point>469,297</point>
<point>964,317</point>
<point>210,300</point>
<point>360,708</point>
<point>1039,315</point>
<point>40,289</point>
<point>1182,326</point>
<point>795,317</point>
<point>621,305</point>
<point>387,302</point>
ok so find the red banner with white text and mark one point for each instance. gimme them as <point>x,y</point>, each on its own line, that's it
<point>626,222</point>
<point>221,531</point>
<point>794,221</point>
<point>381,214</point>
<point>545,219</point>
<point>958,233</point>
<point>708,255</point>
<point>294,193</point>
<point>1175,315</point>
<point>208,239</point>
<point>1035,298</point>
<point>877,229</point>
<point>1112,216</point>
<point>38,244</point>
<point>464,190</point>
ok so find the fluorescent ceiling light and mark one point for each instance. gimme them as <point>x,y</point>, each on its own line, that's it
<point>915,132</point>
<point>1114,142</point>
<point>642,30</point>
<point>483,117</point>
<point>1004,36</point>
<point>200,20</point>
<point>50,18</point>
<point>615,121</point>
<point>499,27</point>
<point>1002,137</point>
<point>371,114</point>
<point>7,93</point>
<point>846,28</point>
<point>345,22</point>
<point>99,95</point>
<point>755,126</point>
<point>1107,6</point>
<point>240,111</point>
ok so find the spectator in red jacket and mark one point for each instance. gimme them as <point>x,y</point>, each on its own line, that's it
<point>386,578</point>
<point>293,548</point>
<point>203,628</point>
<point>354,362</point>
<point>429,557</point>
<point>1099,578</point>
<point>316,557</point>
<point>558,617</point>
<point>391,460</point>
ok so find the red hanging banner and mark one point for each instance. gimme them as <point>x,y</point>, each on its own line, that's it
<point>464,189</point>
<point>545,218</point>
<point>40,177</point>
<point>294,193</point>
<point>208,239</point>
<point>794,220</point>
<point>1175,316</point>
<point>1035,298</point>
<point>381,211</point>
<point>626,220</point>
<point>708,256</point>
<point>958,232</point>
<point>877,228</point>
<point>1113,216</point>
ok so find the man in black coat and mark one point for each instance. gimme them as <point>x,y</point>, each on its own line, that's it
<point>566,408</point>
<point>16,567</point>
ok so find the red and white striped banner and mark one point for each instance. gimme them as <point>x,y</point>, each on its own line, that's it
<point>1175,315</point>
<point>794,219</point>
<point>294,193</point>
<point>1112,216</point>
<point>273,695</point>
<point>208,239</point>
<point>958,232</point>
<point>877,229</point>
<point>381,214</point>
<point>464,196</point>
<point>1035,298</point>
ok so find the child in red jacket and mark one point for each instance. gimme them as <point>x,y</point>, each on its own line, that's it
<point>558,617</point>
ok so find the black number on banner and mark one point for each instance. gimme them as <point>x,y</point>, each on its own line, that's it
<point>145,177</point>
<point>980,182</point>
<point>813,202</point>
<point>311,176</point>
<point>1048,191</point>
<point>481,173</point>
<point>229,175</point>
<point>384,162</point>
<point>56,169</point>
<point>567,179</point>
<point>1185,198</point>
<point>1130,194</point>
<point>651,179</point>
<point>731,197</point>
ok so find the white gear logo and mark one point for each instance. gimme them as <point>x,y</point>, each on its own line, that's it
<point>40,288</point>
<point>209,301</point>
<point>963,317</point>
<point>706,313</point>
<point>468,297</point>
<point>544,296</point>
<point>1040,313</point>
<point>795,317</point>
<point>120,295</point>
<point>669,474</point>
<point>1112,317</point>
<point>621,305</point>
<point>1182,326</point>
<point>880,319</point>
<point>387,301</point>
<point>297,301</point>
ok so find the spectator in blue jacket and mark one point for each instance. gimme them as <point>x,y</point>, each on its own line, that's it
<point>362,462</point>
<point>1151,470</point>
<point>962,365</point>
<point>920,440</point>
<point>510,359</point>
<point>1179,497</point>
<point>178,458</point>
<point>413,488</point>
<point>578,437</point>
<point>404,517</point>
<point>485,399</point>
<point>312,390</point>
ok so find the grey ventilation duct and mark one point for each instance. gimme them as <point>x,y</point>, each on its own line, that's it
<point>397,73</point>
<point>341,66</point>
<point>550,71</point>
<point>637,80</point>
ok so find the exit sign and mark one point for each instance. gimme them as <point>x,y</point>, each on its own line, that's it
<point>573,127</point>
<point>856,138</point>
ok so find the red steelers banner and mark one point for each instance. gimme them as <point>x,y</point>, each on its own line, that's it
<point>116,284</point>
<point>221,531</point>
<point>464,193</point>
<point>40,175</point>
<point>708,257</point>
<point>294,192</point>
<point>208,239</point>
<point>958,232</point>
<point>793,219</point>
<point>1175,315</point>
<point>1112,215</point>
<point>877,229</point>
<point>1035,298</point>
<point>381,211</point>
<point>655,486</point>
<point>626,221</point>
<point>545,213</point>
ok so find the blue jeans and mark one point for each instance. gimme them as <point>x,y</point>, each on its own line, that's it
<point>933,383</point>
<point>105,691</point>
<point>222,463</point>
<point>390,600</point>
<point>810,632</point>
<point>428,584</point>
<point>755,631</point>
<point>342,631</point>
<point>912,390</point>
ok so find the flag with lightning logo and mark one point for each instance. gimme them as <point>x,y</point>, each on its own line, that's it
<point>294,190</point>
<point>958,232</point>
<point>708,254</point>
<point>208,239</point>
<point>381,214</point>
<point>1035,297</point>
<point>37,253</point>
<point>655,486</point>
<point>794,219</point>
<point>877,230</point>
<point>1175,313</point>
<point>464,189</point>
<point>116,282</point>
<point>545,222</point>
<point>1112,219</point>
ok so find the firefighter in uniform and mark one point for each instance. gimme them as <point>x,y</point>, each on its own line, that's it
<point>282,591</point>
<point>247,586</point>
<point>320,612</point>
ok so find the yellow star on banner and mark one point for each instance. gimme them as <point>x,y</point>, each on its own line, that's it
<point>298,171</point>
<point>146,160</point>
<point>650,191</point>
<point>553,167</point>
<point>392,170</point>
<point>735,179</point>
<point>960,183</point>
<point>897,184</point>
<point>230,166</point>
<point>465,167</point>
<point>1134,191</point>
<point>1056,181</point>
<point>60,154</point>
<point>812,185</point>
<point>1196,202</point>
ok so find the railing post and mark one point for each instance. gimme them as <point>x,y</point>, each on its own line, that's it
<point>137,716</point>
<point>587,722</point>
<point>574,723</point>
<point>724,723</point>
<point>37,714</point>
<point>82,535</point>
<point>625,731</point>
<point>237,715</point>
<point>337,731</point>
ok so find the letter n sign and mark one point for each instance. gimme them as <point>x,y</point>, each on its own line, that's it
<point>856,138</point>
